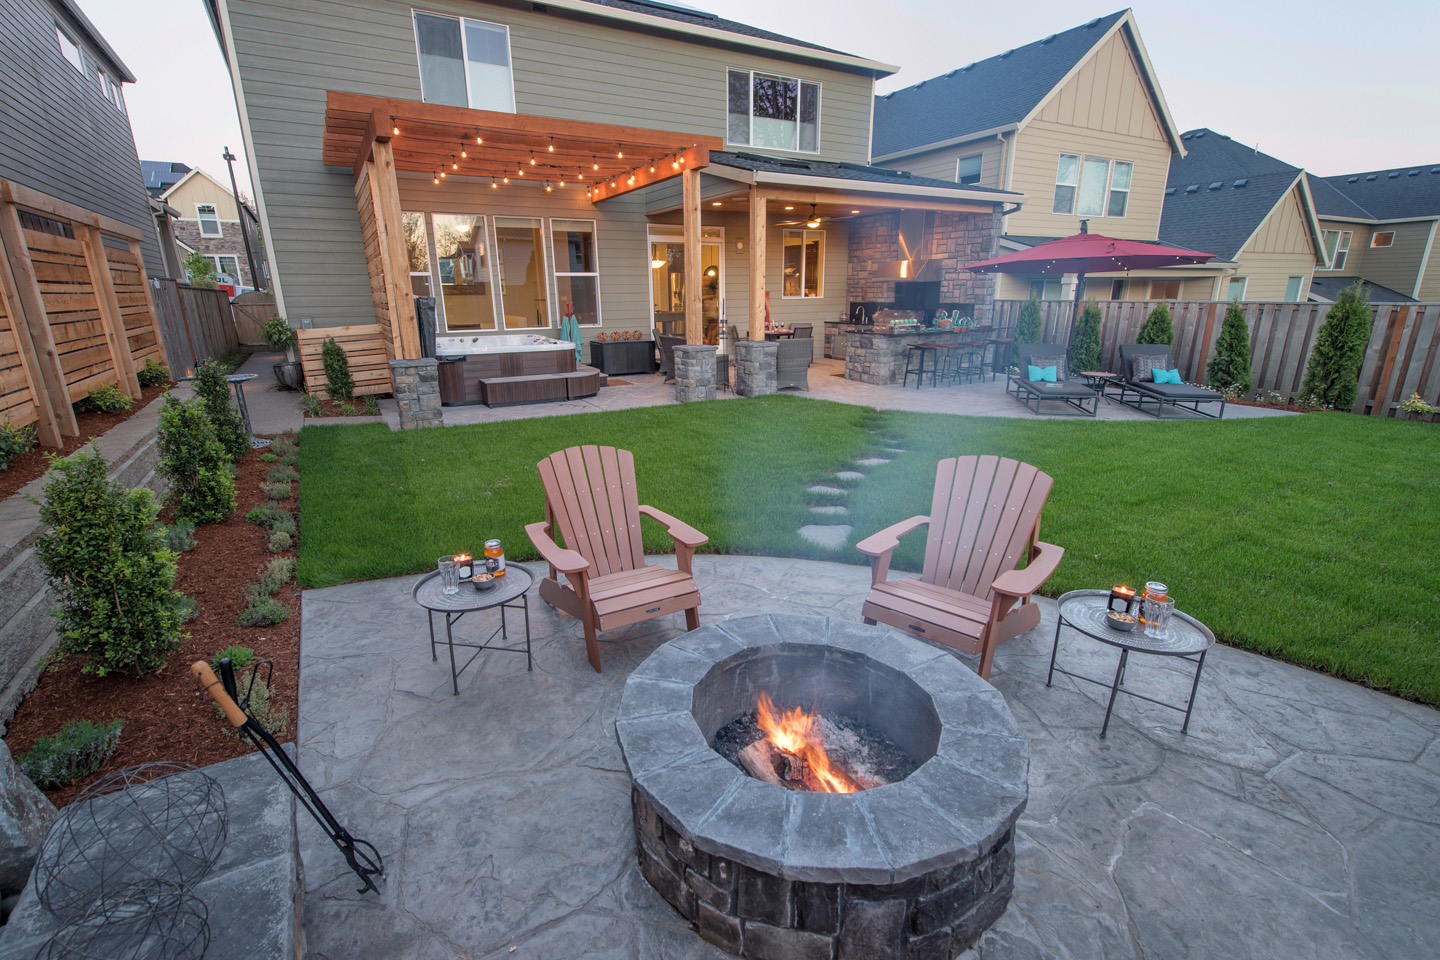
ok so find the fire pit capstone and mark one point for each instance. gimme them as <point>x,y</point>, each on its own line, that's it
<point>913,869</point>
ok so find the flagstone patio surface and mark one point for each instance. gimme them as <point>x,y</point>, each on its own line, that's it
<point>1300,818</point>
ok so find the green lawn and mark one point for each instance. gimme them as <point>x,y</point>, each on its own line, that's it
<point>1310,538</point>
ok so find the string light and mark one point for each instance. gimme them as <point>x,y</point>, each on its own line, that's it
<point>532,159</point>
<point>454,166</point>
<point>562,183</point>
<point>493,184</point>
<point>579,174</point>
<point>620,153</point>
<point>464,155</point>
<point>652,168</point>
<point>548,188</point>
<point>479,140</point>
<point>437,181</point>
<point>504,179</point>
<point>674,164</point>
<point>631,181</point>
<point>395,131</point>
<point>520,172</point>
<point>594,164</point>
<point>551,148</point>
<point>442,174</point>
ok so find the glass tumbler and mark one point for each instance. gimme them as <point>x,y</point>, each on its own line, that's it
<point>449,575</point>
<point>1157,616</point>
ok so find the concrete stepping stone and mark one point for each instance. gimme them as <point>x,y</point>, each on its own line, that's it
<point>829,511</point>
<point>823,488</point>
<point>849,475</point>
<point>871,461</point>
<point>831,535</point>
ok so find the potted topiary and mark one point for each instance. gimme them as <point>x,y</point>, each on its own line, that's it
<point>279,336</point>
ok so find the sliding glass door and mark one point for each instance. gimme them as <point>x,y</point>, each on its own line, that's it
<point>464,276</point>
<point>520,254</point>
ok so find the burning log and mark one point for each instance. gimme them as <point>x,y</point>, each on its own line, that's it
<point>765,761</point>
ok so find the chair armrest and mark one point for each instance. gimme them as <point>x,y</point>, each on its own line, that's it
<point>566,561</point>
<point>1022,583</point>
<point>882,543</point>
<point>682,532</point>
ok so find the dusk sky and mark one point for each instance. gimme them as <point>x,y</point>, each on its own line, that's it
<point>1333,87</point>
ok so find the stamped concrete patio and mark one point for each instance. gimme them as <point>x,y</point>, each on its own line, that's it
<point>1300,818</point>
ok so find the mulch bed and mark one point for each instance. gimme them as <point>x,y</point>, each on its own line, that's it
<point>166,717</point>
<point>329,408</point>
<point>1292,407</point>
<point>34,463</point>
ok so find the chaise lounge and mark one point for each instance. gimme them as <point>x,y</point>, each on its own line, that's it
<point>1138,387</point>
<point>1080,399</point>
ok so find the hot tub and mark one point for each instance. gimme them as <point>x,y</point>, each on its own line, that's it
<point>466,361</point>
<point>447,347</point>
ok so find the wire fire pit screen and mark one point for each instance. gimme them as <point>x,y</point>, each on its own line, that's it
<point>118,864</point>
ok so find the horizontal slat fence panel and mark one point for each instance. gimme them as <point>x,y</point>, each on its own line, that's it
<point>364,347</point>
<point>1402,357</point>
<point>17,395</point>
<point>72,311</point>
<point>142,331</point>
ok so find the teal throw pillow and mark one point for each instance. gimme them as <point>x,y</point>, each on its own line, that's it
<point>1167,376</point>
<point>1035,372</point>
<point>1047,374</point>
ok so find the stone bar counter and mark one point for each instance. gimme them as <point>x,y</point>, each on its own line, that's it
<point>876,355</point>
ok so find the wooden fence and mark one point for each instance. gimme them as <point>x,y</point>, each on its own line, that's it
<point>196,323</point>
<point>364,347</point>
<point>1402,357</point>
<point>251,311</point>
<point>75,309</point>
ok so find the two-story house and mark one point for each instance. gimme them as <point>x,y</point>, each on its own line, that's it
<point>1250,210</point>
<point>632,161</point>
<point>1076,121</point>
<point>207,220</point>
<point>1379,227</point>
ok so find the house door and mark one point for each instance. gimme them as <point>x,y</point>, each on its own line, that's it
<point>667,287</point>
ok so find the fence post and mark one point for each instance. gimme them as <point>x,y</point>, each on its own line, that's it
<point>109,307</point>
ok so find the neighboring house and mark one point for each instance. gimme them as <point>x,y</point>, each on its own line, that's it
<point>1380,227</point>
<point>63,126</point>
<point>1247,208</point>
<point>1077,122</point>
<point>514,158</point>
<point>207,221</point>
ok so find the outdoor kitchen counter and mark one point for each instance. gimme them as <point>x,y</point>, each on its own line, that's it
<point>875,354</point>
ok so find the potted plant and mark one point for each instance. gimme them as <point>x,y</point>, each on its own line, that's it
<point>279,336</point>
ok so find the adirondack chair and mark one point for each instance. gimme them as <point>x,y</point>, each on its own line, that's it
<point>984,515</point>
<point>591,502</point>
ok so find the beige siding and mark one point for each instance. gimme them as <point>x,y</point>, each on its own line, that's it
<point>289,52</point>
<point>1359,243</point>
<point>1107,95</point>
<point>1430,282</point>
<point>201,189</point>
<point>1397,265</point>
<point>943,164</point>
<point>1201,288</point>
<point>1280,249</point>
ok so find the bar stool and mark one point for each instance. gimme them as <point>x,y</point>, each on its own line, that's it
<point>920,351</point>
<point>1003,347</point>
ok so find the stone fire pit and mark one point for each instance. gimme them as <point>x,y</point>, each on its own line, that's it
<point>918,868</point>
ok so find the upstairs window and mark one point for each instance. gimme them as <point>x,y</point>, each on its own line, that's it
<point>1292,289</point>
<point>70,50</point>
<point>1236,293</point>
<point>464,62</point>
<point>1337,248</point>
<point>1092,186</point>
<point>209,219</point>
<point>768,111</point>
<point>1385,238</point>
<point>967,169</point>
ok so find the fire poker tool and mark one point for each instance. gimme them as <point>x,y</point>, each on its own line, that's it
<point>362,857</point>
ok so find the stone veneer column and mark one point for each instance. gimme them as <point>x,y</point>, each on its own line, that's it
<point>417,391</point>
<point>694,373</point>
<point>756,370</point>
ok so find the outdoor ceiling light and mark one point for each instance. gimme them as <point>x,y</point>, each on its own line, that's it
<point>657,264</point>
<point>714,203</point>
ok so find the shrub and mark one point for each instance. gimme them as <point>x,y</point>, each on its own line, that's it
<point>1230,366</point>
<point>272,518</point>
<point>78,750</point>
<point>284,444</point>
<point>106,398</point>
<point>281,474</point>
<point>372,405</point>
<point>239,657</point>
<point>338,382</point>
<point>1085,343</point>
<point>15,441</point>
<point>267,458</point>
<point>200,270</point>
<point>263,613</point>
<point>276,491</point>
<point>291,459</point>
<point>214,393</point>
<point>113,578</point>
<point>310,403</point>
<point>152,374</point>
<point>277,333</point>
<point>178,537</point>
<point>278,572</point>
<point>1333,374</point>
<point>1027,326</point>
<point>347,410</point>
<point>279,541</point>
<point>258,703</point>
<point>1416,407</point>
<point>1158,327</point>
<point>202,488</point>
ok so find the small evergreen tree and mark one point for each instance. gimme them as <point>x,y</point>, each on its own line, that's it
<point>202,483</point>
<point>1157,327</point>
<point>1334,370</point>
<point>1027,326</point>
<point>1230,367</point>
<point>1085,341</point>
<point>199,270</point>
<point>214,393</point>
<point>338,382</point>
<point>113,577</point>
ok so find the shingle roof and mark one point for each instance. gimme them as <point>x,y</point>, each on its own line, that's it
<point>1220,192</point>
<point>984,95</point>
<point>685,14</point>
<point>161,175</point>
<point>1394,194</point>
<point>842,171</point>
<point>1330,201</point>
<point>1329,288</point>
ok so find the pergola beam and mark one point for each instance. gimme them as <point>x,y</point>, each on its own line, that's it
<point>695,158</point>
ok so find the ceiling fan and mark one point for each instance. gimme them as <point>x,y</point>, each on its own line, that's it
<point>814,221</point>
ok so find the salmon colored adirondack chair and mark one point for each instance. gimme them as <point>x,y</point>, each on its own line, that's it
<point>591,502</point>
<point>984,515</point>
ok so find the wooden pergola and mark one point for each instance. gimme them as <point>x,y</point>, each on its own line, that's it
<point>376,137</point>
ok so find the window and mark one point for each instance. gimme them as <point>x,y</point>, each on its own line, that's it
<point>417,250</point>
<point>1292,289</point>
<point>1045,289</point>
<point>577,273</point>
<point>228,265</point>
<point>1092,187</point>
<point>1164,290</point>
<point>463,273</point>
<point>464,63</point>
<point>70,50</point>
<point>1237,289</point>
<point>112,92</point>
<point>1117,290</point>
<point>520,255</point>
<point>967,169</point>
<point>1337,248</point>
<point>1383,239</point>
<point>804,263</point>
<point>209,220</point>
<point>764,110</point>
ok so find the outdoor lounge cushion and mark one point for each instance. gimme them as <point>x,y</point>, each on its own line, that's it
<point>1172,391</point>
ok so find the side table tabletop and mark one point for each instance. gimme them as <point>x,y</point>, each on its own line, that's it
<point>508,594</point>
<point>1100,380</point>
<point>1185,637</point>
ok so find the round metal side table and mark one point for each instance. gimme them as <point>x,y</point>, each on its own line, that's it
<point>507,594</point>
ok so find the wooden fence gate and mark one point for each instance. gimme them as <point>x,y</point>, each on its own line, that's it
<point>251,311</point>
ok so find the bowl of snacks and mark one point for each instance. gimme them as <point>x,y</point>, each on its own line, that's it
<point>483,581</point>
<point>1117,620</point>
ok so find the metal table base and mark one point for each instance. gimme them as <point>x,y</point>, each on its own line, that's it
<point>510,595</point>
<point>519,603</point>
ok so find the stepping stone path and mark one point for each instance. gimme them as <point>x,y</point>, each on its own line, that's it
<point>849,475</point>
<point>829,535</point>
<point>834,535</point>
<point>871,461</point>
<point>823,488</point>
<point>830,510</point>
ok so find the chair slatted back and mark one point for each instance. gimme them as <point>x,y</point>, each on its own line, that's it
<point>590,499</point>
<point>984,514</point>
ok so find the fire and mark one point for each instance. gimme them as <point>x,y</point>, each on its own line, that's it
<point>798,732</point>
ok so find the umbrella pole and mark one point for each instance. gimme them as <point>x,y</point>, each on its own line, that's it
<point>1075,310</point>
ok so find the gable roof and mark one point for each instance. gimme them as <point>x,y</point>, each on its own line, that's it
<point>1328,288</point>
<point>161,175</point>
<point>1221,191</point>
<point>197,172</point>
<point>80,22</point>
<point>858,172</point>
<point>994,94</point>
<point>1394,194</point>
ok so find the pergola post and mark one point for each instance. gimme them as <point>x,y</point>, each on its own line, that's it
<point>757,263</point>
<point>405,332</point>
<point>694,318</point>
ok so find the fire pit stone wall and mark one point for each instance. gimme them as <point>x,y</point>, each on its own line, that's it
<point>913,869</point>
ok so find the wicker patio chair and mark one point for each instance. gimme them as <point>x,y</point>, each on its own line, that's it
<point>792,363</point>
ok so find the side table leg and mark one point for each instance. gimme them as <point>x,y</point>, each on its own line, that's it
<point>1059,620</point>
<point>450,641</point>
<point>525,605</point>
<point>1193,687</point>
<point>430,615</point>
<point>1114,689</point>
